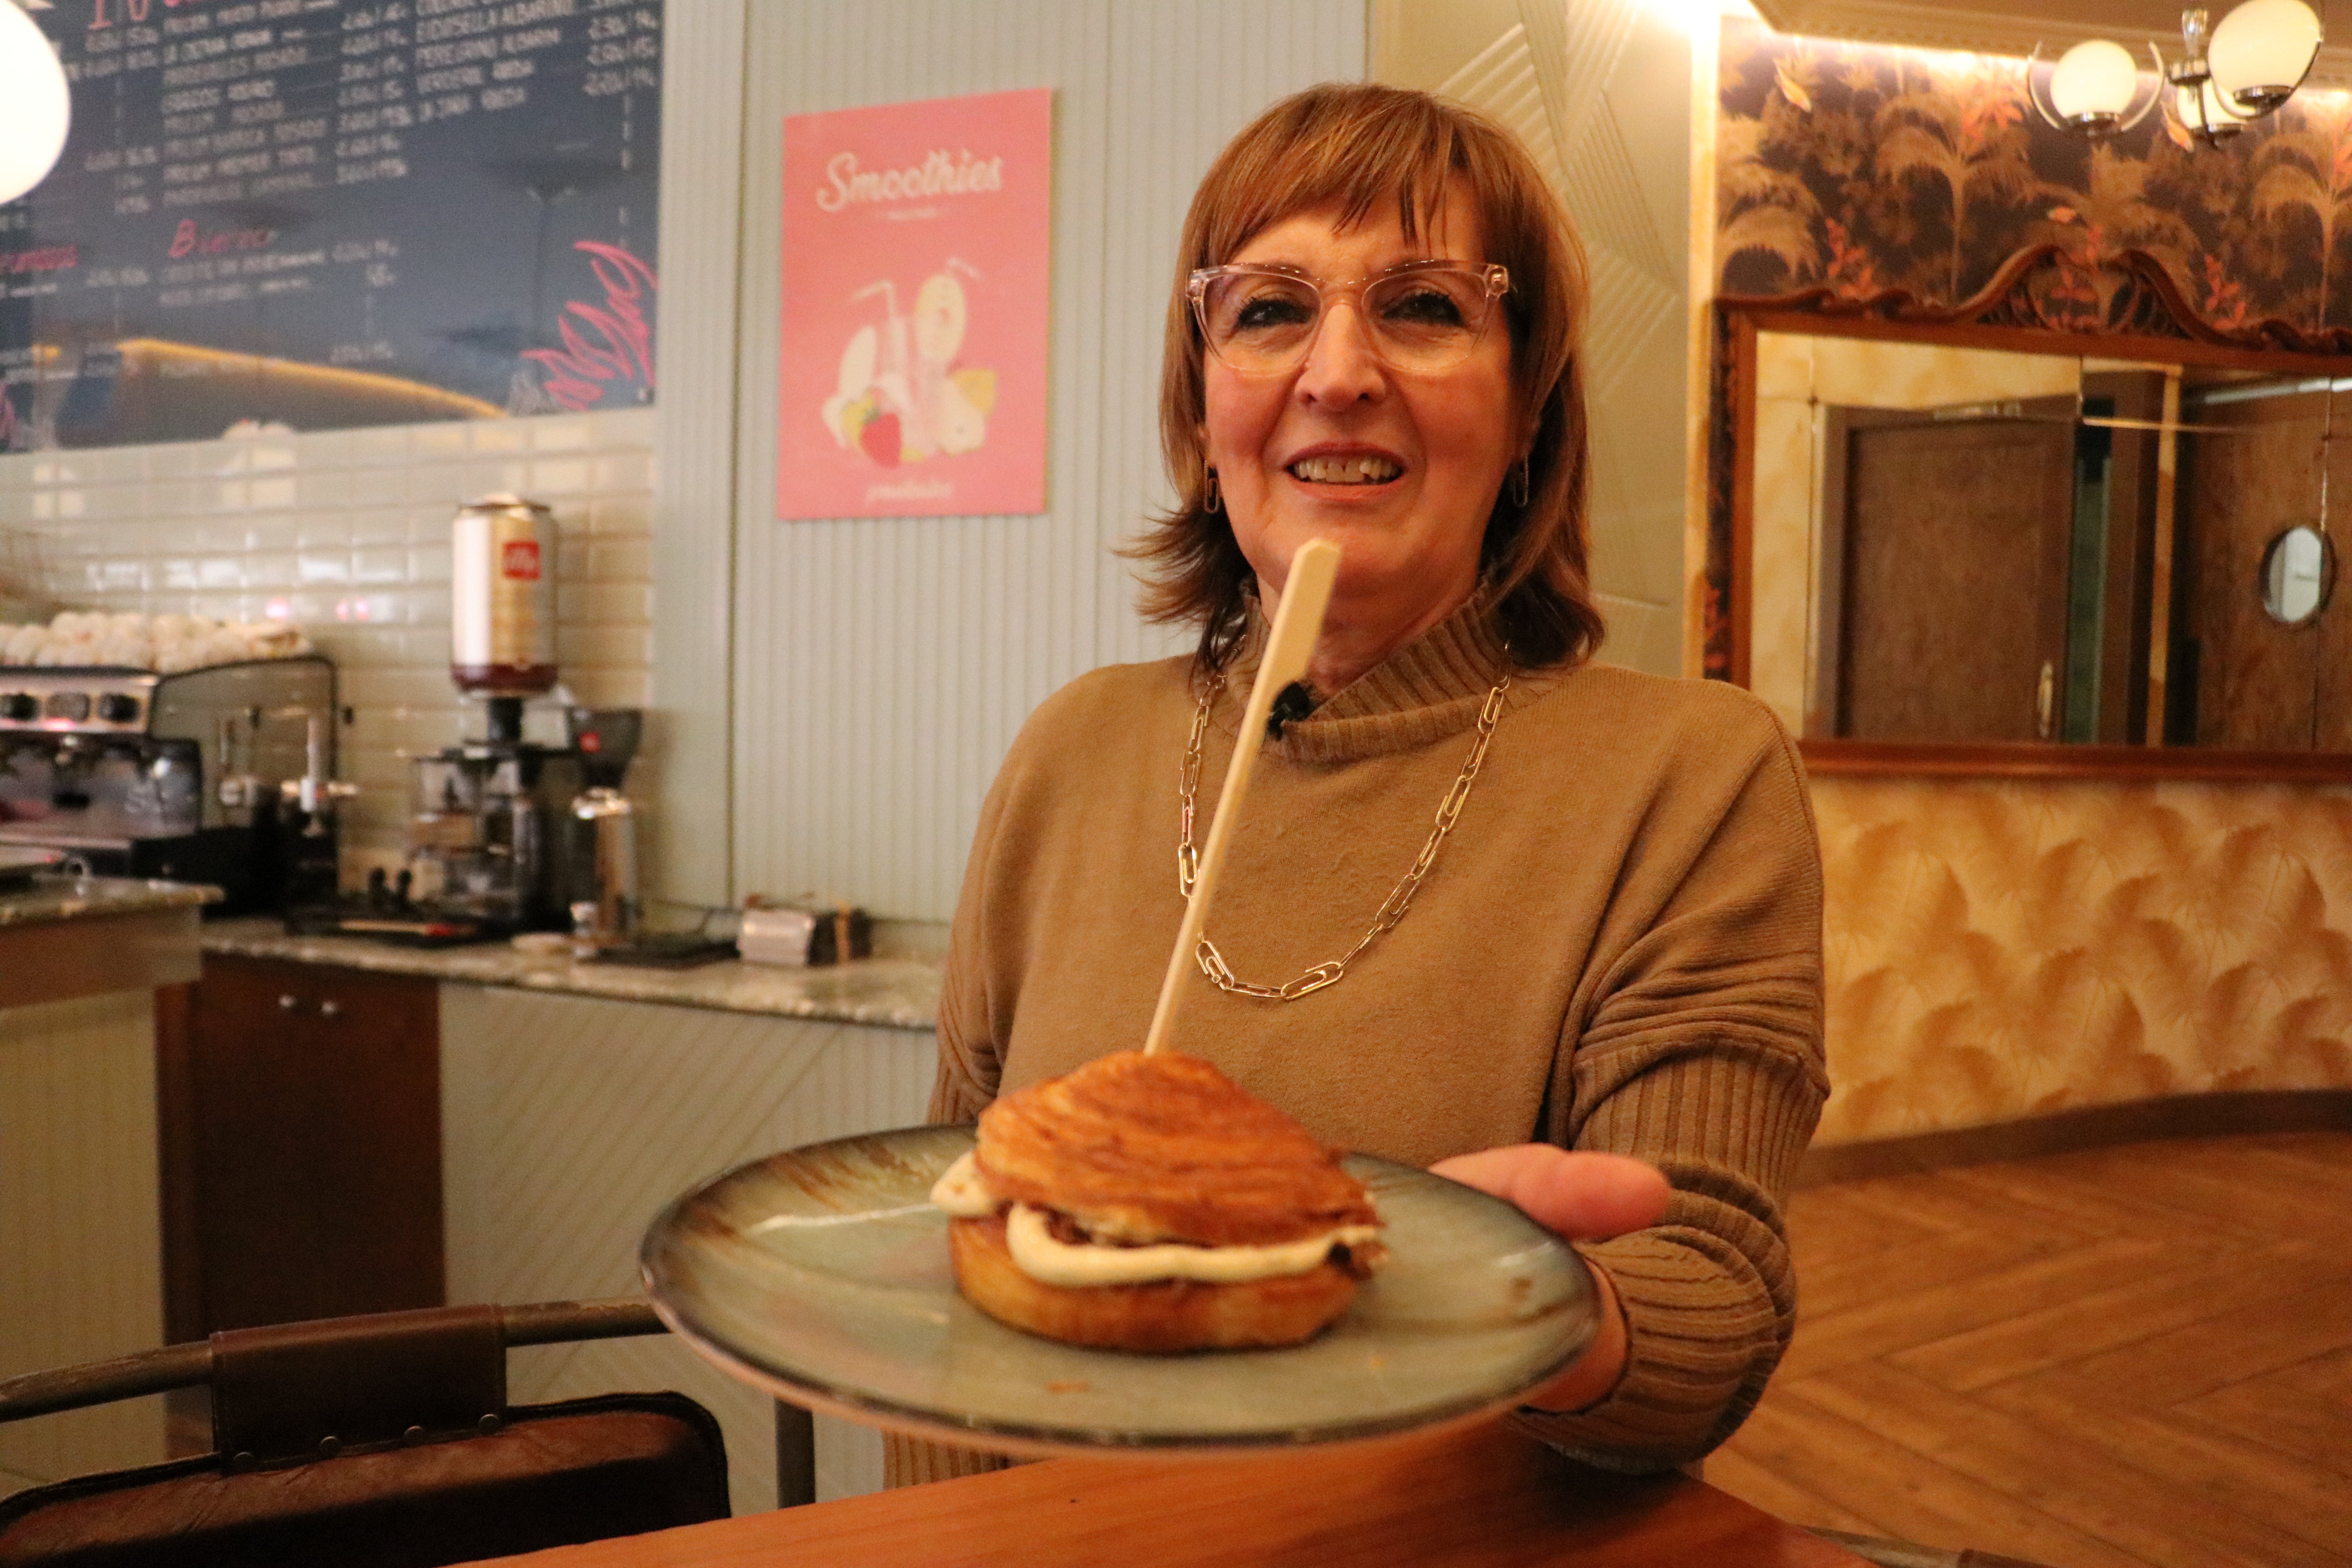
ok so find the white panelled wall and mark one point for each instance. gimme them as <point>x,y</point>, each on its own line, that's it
<point>883,667</point>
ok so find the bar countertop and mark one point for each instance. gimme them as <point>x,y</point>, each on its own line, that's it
<point>897,994</point>
<point>63,939</point>
<point>49,899</point>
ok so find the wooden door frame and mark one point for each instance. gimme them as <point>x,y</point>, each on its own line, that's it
<point>2131,574</point>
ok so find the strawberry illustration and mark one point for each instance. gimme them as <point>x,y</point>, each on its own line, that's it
<point>880,439</point>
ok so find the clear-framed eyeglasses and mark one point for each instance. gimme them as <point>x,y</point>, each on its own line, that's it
<point>1422,317</point>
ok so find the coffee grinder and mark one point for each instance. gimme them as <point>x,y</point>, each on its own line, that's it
<point>493,834</point>
<point>602,864</point>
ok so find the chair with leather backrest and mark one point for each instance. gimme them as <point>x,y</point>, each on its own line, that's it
<point>373,1442</point>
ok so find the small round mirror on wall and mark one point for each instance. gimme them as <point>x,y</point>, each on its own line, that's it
<point>2298,570</point>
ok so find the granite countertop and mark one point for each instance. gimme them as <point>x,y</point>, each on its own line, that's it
<point>51,897</point>
<point>898,993</point>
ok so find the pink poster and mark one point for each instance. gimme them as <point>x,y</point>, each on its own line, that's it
<point>918,238</point>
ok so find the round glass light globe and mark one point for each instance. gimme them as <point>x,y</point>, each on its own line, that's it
<point>2260,50</point>
<point>2094,77</point>
<point>34,107</point>
<point>2201,108</point>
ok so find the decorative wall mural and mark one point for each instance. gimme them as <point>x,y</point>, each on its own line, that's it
<point>2008,948</point>
<point>1867,168</point>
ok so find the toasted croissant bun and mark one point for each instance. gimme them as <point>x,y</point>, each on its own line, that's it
<point>1131,1151</point>
<point>1163,1317</point>
<point>1165,1148</point>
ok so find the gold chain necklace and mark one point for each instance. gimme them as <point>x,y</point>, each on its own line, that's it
<point>1188,860</point>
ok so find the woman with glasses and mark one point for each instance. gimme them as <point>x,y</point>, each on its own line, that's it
<point>1551,926</point>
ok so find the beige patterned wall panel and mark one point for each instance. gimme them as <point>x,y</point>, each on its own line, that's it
<point>1613,210</point>
<point>1579,46</point>
<point>1598,90</point>
<point>1501,80</point>
<point>568,1123</point>
<point>1630,306</point>
<point>1999,948</point>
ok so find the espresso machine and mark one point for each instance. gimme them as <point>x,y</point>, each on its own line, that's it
<point>221,776</point>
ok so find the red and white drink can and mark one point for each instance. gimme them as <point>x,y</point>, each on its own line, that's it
<point>502,597</point>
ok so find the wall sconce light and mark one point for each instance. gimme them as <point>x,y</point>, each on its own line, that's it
<point>34,108</point>
<point>2094,90</point>
<point>2228,75</point>
<point>2261,52</point>
<point>2198,109</point>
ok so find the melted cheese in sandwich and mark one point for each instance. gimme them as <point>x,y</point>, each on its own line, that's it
<point>961,1192</point>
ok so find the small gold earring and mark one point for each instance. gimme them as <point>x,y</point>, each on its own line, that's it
<point>1212,501</point>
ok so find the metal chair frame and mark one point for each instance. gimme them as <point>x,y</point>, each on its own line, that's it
<point>191,1365</point>
<point>541,1323</point>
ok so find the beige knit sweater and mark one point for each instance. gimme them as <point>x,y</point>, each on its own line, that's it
<point>1619,948</point>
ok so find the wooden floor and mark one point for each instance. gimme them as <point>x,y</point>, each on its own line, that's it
<point>2137,1357</point>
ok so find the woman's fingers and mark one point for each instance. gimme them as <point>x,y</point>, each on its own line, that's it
<point>1583,1196</point>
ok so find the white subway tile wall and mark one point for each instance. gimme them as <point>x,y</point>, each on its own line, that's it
<point>346,534</point>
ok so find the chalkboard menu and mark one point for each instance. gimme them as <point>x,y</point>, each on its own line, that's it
<point>325,213</point>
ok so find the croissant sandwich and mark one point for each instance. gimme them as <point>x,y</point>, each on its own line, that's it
<point>1147,1203</point>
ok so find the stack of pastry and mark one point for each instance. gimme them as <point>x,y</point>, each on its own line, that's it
<point>1147,1202</point>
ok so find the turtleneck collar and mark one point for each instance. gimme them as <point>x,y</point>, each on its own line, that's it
<point>1428,689</point>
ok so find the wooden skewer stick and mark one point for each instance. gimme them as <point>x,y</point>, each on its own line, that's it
<point>1297,621</point>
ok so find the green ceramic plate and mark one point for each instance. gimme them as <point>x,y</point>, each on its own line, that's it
<point>821,1274</point>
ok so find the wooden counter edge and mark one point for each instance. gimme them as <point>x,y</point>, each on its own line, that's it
<point>1489,1497</point>
<point>93,954</point>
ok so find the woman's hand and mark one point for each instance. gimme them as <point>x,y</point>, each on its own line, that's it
<point>1583,1197</point>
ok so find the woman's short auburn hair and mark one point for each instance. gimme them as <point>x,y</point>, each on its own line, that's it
<point>1355,146</point>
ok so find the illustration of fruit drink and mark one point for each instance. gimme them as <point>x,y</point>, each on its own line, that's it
<point>901,397</point>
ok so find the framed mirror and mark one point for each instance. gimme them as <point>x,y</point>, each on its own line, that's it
<point>2298,572</point>
<point>1972,541</point>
